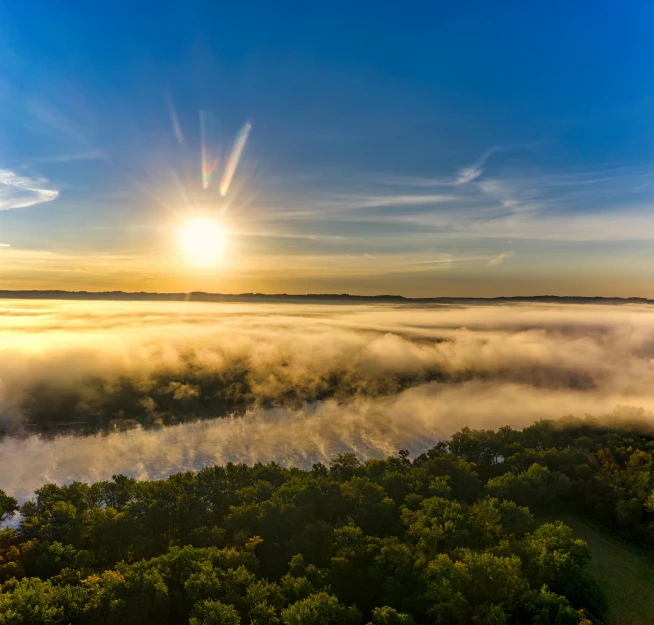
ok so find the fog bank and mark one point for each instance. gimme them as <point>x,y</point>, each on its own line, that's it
<point>307,382</point>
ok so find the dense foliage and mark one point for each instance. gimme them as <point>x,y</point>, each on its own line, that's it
<point>449,537</point>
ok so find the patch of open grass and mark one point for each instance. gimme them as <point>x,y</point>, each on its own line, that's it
<point>624,572</point>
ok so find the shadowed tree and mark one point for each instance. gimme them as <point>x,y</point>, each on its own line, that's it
<point>8,505</point>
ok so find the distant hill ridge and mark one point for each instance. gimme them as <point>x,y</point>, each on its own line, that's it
<point>200,296</point>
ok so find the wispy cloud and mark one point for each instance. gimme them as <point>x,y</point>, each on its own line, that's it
<point>498,260</point>
<point>18,191</point>
<point>349,202</point>
<point>608,204</point>
<point>464,175</point>
<point>447,261</point>
<point>472,172</point>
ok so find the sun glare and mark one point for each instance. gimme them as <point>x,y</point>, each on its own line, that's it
<point>202,240</point>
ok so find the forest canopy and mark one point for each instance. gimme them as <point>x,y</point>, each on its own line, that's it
<point>464,533</point>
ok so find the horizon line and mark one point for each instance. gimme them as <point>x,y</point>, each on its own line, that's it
<point>208,296</point>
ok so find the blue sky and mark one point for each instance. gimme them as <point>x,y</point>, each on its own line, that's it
<point>425,148</point>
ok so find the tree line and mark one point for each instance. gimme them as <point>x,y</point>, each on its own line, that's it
<point>455,535</point>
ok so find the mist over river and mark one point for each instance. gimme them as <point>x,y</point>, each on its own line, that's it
<point>90,389</point>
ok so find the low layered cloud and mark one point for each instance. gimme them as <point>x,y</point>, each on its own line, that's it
<point>205,383</point>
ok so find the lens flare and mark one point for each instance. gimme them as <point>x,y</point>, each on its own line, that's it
<point>202,240</point>
<point>234,158</point>
<point>174,120</point>
<point>209,164</point>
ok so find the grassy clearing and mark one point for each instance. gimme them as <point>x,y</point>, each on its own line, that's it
<point>625,573</point>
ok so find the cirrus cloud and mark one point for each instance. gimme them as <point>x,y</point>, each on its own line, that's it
<point>498,260</point>
<point>17,191</point>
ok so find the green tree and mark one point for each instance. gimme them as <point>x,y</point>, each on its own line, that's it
<point>320,609</point>
<point>8,506</point>
<point>215,613</point>
<point>537,487</point>
<point>32,601</point>
<point>388,616</point>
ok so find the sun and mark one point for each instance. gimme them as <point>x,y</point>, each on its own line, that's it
<point>202,240</point>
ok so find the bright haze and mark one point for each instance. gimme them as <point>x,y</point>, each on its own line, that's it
<point>460,149</point>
